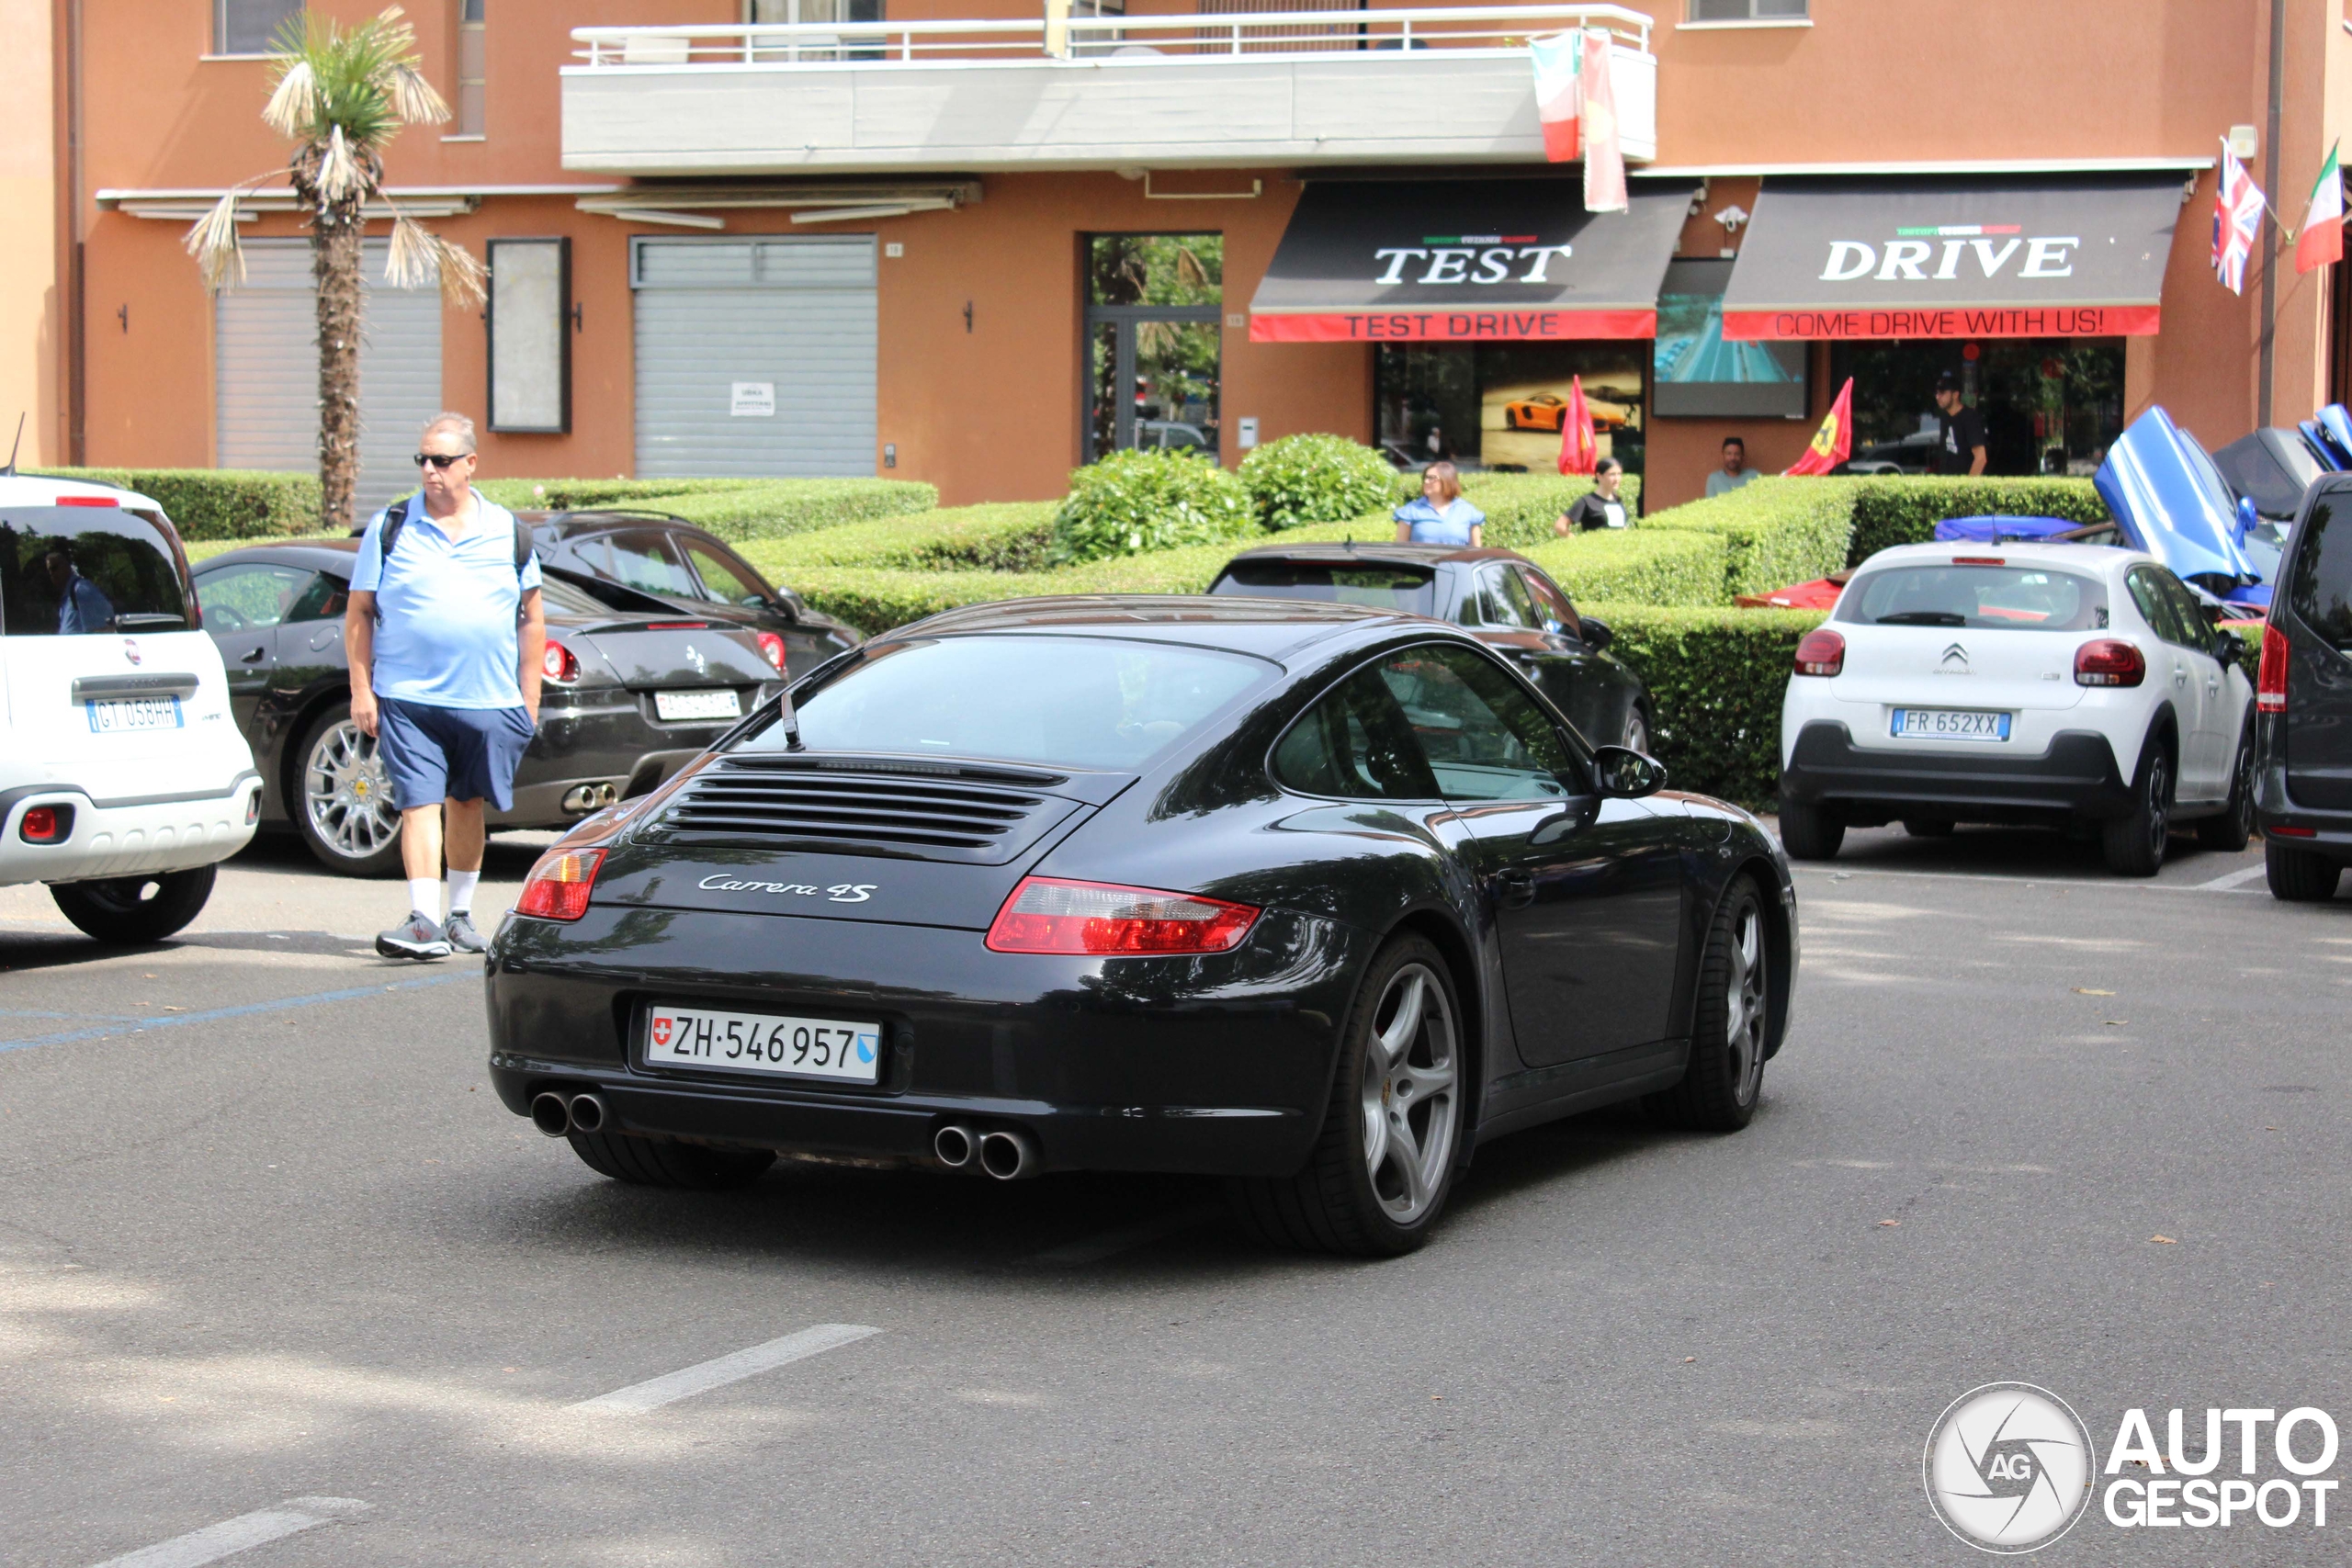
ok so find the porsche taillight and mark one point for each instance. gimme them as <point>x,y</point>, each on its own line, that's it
<point>2270,675</point>
<point>558,886</point>
<point>2109,661</point>
<point>1823,652</point>
<point>1048,914</point>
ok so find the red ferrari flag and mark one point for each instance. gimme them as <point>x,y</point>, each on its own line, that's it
<point>1579,446</point>
<point>1834,442</point>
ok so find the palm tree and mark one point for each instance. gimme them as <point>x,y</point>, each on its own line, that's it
<point>342,93</point>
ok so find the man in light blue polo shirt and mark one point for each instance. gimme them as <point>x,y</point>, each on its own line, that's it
<point>444,634</point>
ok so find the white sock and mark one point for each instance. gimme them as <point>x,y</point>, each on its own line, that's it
<point>461,890</point>
<point>424,895</point>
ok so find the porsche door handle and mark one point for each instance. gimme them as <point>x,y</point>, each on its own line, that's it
<point>1514,889</point>
<point>254,656</point>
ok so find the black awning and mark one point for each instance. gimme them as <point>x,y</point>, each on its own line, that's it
<point>2056,255</point>
<point>1467,260</point>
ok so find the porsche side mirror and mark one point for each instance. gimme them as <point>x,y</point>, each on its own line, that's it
<point>1597,635</point>
<point>1626,774</point>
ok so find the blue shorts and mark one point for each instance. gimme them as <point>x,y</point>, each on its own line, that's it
<point>437,754</point>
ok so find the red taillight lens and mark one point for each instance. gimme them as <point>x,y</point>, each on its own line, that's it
<point>558,886</point>
<point>1980,560</point>
<point>558,662</point>
<point>87,500</point>
<point>772,648</point>
<point>40,825</point>
<point>1049,915</point>
<point>2281,830</point>
<point>2270,675</point>
<point>1823,652</point>
<point>2109,661</point>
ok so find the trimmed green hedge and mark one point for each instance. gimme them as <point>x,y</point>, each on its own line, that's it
<point>219,503</point>
<point>1141,503</point>
<point>1640,566</point>
<point>1716,680</point>
<point>1014,535</point>
<point>732,509</point>
<point>1905,511</point>
<point>1775,531</point>
<point>1522,508</point>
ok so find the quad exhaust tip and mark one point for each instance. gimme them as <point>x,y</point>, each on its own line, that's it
<point>955,1147</point>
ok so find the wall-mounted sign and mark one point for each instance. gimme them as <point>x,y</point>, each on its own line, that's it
<point>752,400</point>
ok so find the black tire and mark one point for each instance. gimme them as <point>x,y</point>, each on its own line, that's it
<point>346,828</point>
<point>1928,828</point>
<point>2231,831</point>
<point>2134,845</point>
<point>135,908</point>
<point>1808,832</point>
<point>2298,877</point>
<point>1355,1198</point>
<point>660,1162</point>
<point>1725,1078</point>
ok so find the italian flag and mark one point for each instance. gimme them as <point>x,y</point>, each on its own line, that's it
<point>2322,240</point>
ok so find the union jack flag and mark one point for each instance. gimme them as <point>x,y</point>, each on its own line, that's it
<point>2237,222</point>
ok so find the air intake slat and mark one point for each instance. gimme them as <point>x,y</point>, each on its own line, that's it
<point>733,803</point>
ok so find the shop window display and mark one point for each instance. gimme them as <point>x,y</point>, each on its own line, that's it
<point>1154,309</point>
<point>2050,405</point>
<point>1500,405</point>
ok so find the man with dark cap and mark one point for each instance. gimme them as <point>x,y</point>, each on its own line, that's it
<point>1961,448</point>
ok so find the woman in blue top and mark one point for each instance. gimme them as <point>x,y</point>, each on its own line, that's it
<point>1441,516</point>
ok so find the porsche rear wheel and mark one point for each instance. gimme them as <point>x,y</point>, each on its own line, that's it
<point>657,1162</point>
<point>1380,1173</point>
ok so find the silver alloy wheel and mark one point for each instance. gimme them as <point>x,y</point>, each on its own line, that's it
<point>347,795</point>
<point>1637,734</point>
<point>1411,1082</point>
<point>1744,1003</point>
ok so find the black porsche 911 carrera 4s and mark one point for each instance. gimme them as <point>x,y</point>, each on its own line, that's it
<point>1314,897</point>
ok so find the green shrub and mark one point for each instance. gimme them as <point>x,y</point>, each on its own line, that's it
<point>1716,680</point>
<point>1640,566</point>
<point>1317,478</point>
<point>1006,537</point>
<point>1904,511</point>
<point>1522,508</point>
<point>733,509</point>
<point>1777,531</point>
<point>219,503</point>
<point>1133,502</point>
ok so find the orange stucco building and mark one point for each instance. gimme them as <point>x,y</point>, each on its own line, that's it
<point>889,237</point>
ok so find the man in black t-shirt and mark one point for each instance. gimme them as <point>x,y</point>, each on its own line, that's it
<point>1960,448</point>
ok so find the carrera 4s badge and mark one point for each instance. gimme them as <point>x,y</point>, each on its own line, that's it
<point>838,893</point>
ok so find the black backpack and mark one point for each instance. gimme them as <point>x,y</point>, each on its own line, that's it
<point>392,536</point>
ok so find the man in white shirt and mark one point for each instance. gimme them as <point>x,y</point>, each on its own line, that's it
<point>1735,472</point>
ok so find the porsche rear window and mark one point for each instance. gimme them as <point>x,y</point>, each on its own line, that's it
<point>80,570</point>
<point>1382,587</point>
<point>2015,598</point>
<point>1069,702</point>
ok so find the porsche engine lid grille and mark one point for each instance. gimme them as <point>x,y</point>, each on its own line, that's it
<point>949,815</point>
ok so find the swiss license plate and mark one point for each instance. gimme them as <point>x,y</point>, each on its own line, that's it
<point>673,706</point>
<point>766,1042</point>
<point>110,714</point>
<point>1950,724</point>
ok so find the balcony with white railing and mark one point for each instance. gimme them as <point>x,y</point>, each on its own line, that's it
<point>1439,84</point>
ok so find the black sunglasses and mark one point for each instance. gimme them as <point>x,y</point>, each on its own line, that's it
<point>441,459</point>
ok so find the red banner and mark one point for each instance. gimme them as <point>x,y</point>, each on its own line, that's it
<point>2036,320</point>
<point>1453,326</point>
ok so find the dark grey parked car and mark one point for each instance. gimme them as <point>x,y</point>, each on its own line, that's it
<point>630,696</point>
<point>1511,605</point>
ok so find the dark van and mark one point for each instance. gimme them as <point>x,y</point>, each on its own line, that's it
<point>2303,702</point>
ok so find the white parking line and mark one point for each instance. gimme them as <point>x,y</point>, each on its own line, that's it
<point>1108,1244</point>
<point>638,1398</point>
<point>2233,879</point>
<point>242,1533</point>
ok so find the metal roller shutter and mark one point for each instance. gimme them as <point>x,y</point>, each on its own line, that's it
<point>754,358</point>
<point>265,368</point>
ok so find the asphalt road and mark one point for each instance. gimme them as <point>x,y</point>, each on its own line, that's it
<point>262,1252</point>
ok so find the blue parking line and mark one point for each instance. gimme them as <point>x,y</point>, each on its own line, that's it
<point>281,1005</point>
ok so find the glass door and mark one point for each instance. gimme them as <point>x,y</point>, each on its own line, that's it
<point>1155,307</point>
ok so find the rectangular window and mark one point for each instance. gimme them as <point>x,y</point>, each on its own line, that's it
<point>80,570</point>
<point>530,335</point>
<point>1155,334</point>
<point>2050,405</point>
<point>473,69</point>
<point>1500,405</point>
<point>250,27</point>
<point>1748,10</point>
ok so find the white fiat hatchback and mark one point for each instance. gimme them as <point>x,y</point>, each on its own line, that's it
<point>123,781</point>
<point>2060,684</point>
